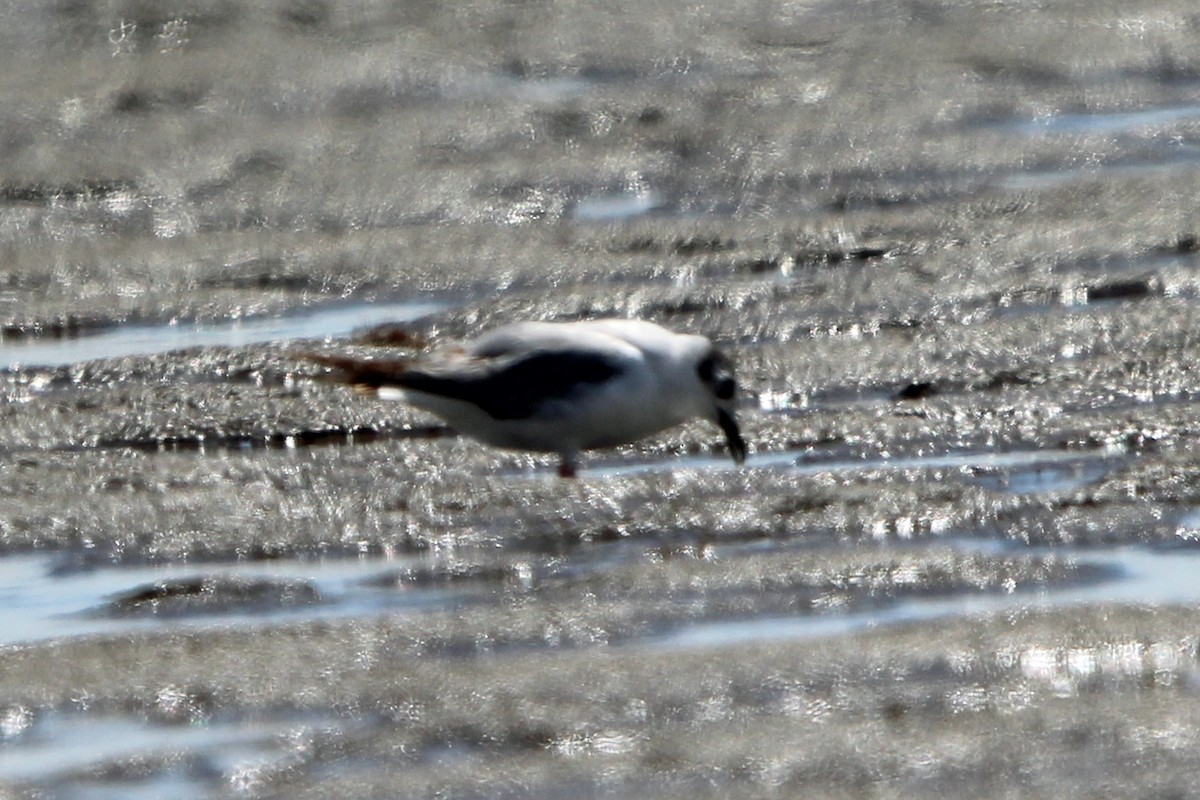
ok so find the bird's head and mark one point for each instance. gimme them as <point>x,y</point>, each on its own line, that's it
<point>716,373</point>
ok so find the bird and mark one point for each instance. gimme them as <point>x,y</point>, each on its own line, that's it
<point>560,387</point>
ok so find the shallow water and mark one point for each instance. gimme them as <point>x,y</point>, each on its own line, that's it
<point>80,754</point>
<point>1176,158</point>
<point>1020,471</point>
<point>613,207</point>
<point>44,604</point>
<point>44,601</point>
<point>1107,123</point>
<point>1141,576</point>
<point>65,749</point>
<point>47,601</point>
<point>128,340</point>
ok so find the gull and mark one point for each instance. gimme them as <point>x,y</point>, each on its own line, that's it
<point>561,387</point>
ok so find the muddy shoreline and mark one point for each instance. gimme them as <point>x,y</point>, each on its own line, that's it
<point>952,247</point>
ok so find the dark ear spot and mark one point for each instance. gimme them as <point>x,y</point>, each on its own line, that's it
<point>706,369</point>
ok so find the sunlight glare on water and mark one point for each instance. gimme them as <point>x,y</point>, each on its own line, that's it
<point>1148,577</point>
<point>41,603</point>
<point>127,340</point>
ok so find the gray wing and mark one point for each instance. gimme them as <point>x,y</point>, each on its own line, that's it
<point>515,387</point>
<point>513,384</point>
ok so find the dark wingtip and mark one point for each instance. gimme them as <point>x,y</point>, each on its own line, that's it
<point>324,359</point>
<point>356,371</point>
<point>733,435</point>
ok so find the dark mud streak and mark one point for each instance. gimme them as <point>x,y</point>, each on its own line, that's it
<point>1131,289</point>
<point>199,443</point>
<point>917,391</point>
<point>69,328</point>
<point>148,101</point>
<point>82,190</point>
<point>207,596</point>
<point>274,441</point>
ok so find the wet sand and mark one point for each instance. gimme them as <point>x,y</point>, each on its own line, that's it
<point>952,246</point>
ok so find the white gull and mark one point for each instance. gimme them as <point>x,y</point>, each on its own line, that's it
<point>561,387</point>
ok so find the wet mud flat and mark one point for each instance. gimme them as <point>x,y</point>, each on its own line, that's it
<point>957,263</point>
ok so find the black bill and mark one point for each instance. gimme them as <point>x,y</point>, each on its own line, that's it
<point>733,435</point>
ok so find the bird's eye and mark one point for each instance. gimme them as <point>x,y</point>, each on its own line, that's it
<point>725,389</point>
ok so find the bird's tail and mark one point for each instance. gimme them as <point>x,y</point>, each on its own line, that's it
<point>366,375</point>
